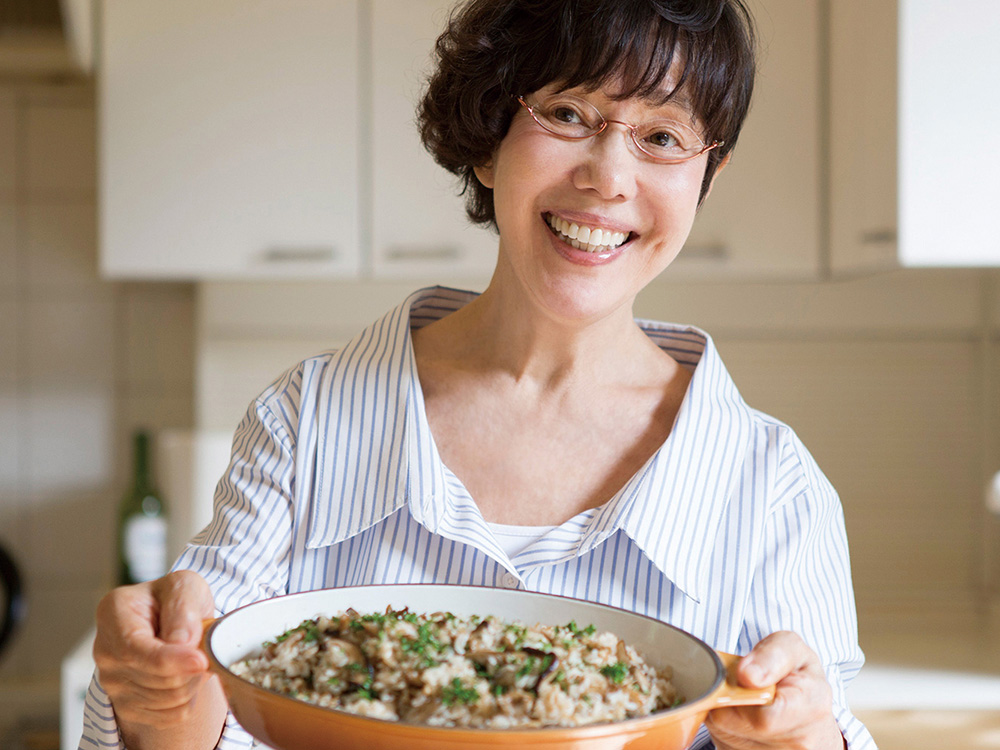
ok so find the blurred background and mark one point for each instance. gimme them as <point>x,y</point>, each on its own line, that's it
<point>195,195</point>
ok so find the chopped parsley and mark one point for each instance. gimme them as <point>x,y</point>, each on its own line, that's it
<point>578,631</point>
<point>456,692</point>
<point>367,690</point>
<point>615,672</point>
<point>425,639</point>
<point>308,627</point>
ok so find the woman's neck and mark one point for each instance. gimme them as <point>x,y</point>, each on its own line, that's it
<point>502,332</point>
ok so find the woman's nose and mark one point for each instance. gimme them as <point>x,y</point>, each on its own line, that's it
<point>608,165</point>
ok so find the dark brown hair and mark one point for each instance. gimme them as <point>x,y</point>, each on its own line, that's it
<point>495,50</point>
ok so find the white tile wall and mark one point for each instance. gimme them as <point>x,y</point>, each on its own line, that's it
<point>70,340</point>
<point>68,440</point>
<point>82,363</point>
<point>8,144</point>
<point>61,142</point>
<point>10,446</point>
<point>8,338</point>
<point>158,324</point>
<point>8,246</point>
<point>231,373</point>
<point>61,244</point>
<point>54,525</point>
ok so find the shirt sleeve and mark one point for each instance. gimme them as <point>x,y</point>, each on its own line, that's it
<point>243,553</point>
<point>803,579</point>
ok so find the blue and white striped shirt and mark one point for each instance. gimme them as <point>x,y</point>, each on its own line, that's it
<point>730,531</point>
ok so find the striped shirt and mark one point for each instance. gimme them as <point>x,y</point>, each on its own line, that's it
<point>729,531</point>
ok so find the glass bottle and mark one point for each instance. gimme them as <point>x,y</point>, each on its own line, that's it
<point>142,524</point>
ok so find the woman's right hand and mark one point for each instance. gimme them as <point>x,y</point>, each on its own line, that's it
<point>150,664</point>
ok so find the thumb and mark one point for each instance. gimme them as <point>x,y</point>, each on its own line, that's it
<point>185,600</point>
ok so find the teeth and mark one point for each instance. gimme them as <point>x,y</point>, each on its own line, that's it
<point>585,238</point>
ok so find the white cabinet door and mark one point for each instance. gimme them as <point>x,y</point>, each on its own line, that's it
<point>949,115</point>
<point>763,218</point>
<point>419,227</point>
<point>228,138</point>
<point>863,53</point>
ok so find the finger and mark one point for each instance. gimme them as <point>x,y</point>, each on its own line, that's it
<point>772,721</point>
<point>157,697</point>
<point>774,658</point>
<point>163,667</point>
<point>127,623</point>
<point>150,708</point>
<point>185,600</point>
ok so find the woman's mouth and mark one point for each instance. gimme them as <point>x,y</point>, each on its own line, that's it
<point>590,239</point>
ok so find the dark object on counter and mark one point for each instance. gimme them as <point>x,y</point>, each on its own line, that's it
<point>12,601</point>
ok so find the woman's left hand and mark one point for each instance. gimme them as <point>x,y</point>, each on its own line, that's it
<point>801,716</point>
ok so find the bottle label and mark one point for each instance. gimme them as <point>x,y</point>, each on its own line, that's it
<point>146,547</point>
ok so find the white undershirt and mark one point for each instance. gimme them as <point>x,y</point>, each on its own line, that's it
<point>514,539</point>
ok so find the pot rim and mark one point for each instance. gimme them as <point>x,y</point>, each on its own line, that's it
<point>703,702</point>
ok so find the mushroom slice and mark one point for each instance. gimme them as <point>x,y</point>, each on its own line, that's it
<point>356,675</point>
<point>551,665</point>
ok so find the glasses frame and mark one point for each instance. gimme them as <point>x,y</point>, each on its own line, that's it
<point>633,131</point>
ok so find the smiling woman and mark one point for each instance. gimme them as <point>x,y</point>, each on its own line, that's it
<point>534,436</point>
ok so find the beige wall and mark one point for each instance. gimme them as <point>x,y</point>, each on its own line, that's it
<point>82,363</point>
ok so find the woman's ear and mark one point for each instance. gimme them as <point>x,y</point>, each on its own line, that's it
<point>485,175</point>
<point>718,170</point>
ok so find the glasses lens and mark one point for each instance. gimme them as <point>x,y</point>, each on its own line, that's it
<point>668,140</point>
<point>568,116</point>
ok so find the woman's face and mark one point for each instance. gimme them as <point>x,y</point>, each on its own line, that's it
<point>543,184</point>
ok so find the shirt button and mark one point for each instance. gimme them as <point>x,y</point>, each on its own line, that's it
<point>509,580</point>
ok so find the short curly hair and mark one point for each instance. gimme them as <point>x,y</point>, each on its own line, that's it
<point>495,50</point>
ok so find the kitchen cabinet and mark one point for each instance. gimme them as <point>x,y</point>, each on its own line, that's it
<point>763,218</point>
<point>948,119</point>
<point>419,228</point>
<point>863,123</point>
<point>229,139</point>
<point>276,140</point>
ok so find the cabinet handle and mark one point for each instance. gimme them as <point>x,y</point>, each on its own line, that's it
<point>714,252</point>
<point>299,254</point>
<point>878,237</point>
<point>422,252</point>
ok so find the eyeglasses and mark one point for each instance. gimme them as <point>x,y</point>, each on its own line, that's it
<point>664,141</point>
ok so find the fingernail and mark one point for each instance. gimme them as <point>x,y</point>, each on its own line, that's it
<point>755,673</point>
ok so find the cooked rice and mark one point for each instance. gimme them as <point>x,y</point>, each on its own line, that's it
<point>443,670</point>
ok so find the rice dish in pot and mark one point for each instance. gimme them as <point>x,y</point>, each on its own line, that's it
<point>477,672</point>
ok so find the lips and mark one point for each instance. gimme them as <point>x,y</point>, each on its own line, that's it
<point>590,238</point>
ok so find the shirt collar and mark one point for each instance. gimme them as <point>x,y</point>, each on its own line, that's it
<point>672,508</point>
<point>367,457</point>
<point>370,429</point>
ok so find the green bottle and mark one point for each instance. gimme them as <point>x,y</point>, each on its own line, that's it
<point>142,524</point>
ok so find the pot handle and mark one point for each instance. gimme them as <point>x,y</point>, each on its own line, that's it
<point>205,625</point>
<point>731,694</point>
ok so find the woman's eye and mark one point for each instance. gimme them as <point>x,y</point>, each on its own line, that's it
<point>565,114</point>
<point>664,139</point>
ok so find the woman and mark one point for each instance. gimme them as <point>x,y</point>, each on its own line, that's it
<point>534,436</point>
